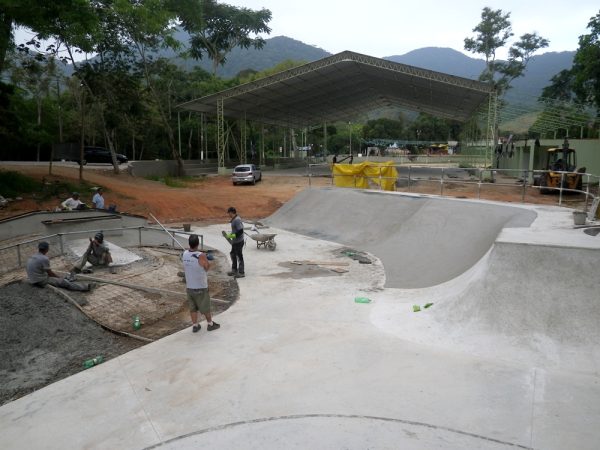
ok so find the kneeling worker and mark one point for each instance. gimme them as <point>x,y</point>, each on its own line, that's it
<point>196,265</point>
<point>97,254</point>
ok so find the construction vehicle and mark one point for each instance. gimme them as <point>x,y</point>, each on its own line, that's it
<point>560,167</point>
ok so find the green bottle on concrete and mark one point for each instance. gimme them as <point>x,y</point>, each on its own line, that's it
<point>92,362</point>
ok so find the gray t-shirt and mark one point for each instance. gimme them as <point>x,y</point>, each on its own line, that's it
<point>237,225</point>
<point>37,267</point>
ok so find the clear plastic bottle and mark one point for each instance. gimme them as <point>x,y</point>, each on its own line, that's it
<point>93,362</point>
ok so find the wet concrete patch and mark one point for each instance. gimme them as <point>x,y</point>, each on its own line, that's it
<point>299,271</point>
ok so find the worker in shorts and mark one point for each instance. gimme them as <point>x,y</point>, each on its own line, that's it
<point>196,265</point>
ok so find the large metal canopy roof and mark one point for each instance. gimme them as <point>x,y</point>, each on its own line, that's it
<point>345,87</point>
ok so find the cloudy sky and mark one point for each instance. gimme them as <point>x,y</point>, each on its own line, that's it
<point>393,27</point>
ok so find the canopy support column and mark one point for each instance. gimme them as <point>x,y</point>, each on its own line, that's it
<point>221,136</point>
<point>243,136</point>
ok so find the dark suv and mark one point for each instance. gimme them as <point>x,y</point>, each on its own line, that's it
<point>101,155</point>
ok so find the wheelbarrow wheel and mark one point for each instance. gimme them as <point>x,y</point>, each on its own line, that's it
<point>272,245</point>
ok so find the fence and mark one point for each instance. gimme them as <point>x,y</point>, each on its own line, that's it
<point>15,256</point>
<point>481,178</point>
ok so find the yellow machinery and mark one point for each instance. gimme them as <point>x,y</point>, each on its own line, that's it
<point>561,165</point>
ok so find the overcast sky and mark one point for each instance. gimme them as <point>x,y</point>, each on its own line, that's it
<point>383,28</point>
<point>393,27</point>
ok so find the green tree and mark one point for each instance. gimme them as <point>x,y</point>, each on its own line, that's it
<point>34,74</point>
<point>492,34</point>
<point>383,129</point>
<point>586,65</point>
<point>37,15</point>
<point>224,27</point>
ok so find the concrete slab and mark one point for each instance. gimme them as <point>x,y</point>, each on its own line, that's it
<point>297,363</point>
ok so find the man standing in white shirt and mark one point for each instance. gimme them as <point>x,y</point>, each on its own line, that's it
<point>196,265</point>
<point>98,199</point>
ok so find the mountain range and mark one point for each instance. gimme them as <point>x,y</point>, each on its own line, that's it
<point>525,90</point>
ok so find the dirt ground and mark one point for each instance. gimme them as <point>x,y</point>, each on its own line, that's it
<point>46,338</point>
<point>202,200</point>
<point>205,200</point>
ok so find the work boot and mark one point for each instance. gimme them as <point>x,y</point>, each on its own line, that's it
<point>239,275</point>
<point>232,273</point>
<point>196,328</point>
<point>214,326</point>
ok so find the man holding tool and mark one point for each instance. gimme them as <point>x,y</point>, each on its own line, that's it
<point>196,265</point>
<point>236,239</point>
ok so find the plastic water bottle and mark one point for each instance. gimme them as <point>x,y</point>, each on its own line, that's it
<point>136,323</point>
<point>92,362</point>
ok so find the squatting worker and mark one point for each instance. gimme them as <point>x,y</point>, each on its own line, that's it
<point>97,254</point>
<point>196,265</point>
<point>237,244</point>
<point>73,202</point>
<point>39,273</point>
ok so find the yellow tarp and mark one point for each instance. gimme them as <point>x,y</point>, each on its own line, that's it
<point>360,175</point>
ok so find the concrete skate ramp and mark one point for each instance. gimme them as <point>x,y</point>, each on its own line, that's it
<point>528,303</point>
<point>421,241</point>
<point>529,289</point>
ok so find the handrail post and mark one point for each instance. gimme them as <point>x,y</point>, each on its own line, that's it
<point>409,170</point>
<point>479,183</point>
<point>525,178</point>
<point>442,183</point>
<point>560,192</point>
<point>587,191</point>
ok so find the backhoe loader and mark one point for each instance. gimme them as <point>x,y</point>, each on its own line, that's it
<point>561,171</point>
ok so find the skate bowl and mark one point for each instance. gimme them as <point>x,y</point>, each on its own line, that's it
<point>421,241</point>
<point>492,298</point>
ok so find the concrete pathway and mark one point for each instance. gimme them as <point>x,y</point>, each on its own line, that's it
<point>298,364</point>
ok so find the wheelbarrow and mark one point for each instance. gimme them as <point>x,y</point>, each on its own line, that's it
<point>264,240</point>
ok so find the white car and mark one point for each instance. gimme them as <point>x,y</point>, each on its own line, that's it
<point>246,173</point>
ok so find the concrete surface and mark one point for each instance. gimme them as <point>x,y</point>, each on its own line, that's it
<point>505,358</point>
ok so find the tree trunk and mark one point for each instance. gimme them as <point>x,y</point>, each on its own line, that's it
<point>5,36</point>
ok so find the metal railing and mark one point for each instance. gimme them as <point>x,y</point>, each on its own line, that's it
<point>15,256</point>
<point>482,178</point>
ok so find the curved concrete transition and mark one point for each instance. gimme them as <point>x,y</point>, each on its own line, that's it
<point>421,241</point>
<point>505,356</point>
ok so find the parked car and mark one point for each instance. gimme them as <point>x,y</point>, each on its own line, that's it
<point>246,173</point>
<point>101,155</point>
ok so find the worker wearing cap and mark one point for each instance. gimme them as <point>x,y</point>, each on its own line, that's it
<point>73,202</point>
<point>39,273</point>
<point>97,254</point>
<point>236,239</point>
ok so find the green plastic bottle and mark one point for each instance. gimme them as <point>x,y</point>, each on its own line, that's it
<point>137,324</point>
<point>92,362</point>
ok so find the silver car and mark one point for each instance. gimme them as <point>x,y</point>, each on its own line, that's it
<point>246,173</point>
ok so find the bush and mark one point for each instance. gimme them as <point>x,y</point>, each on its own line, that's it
<point>14,184</point>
